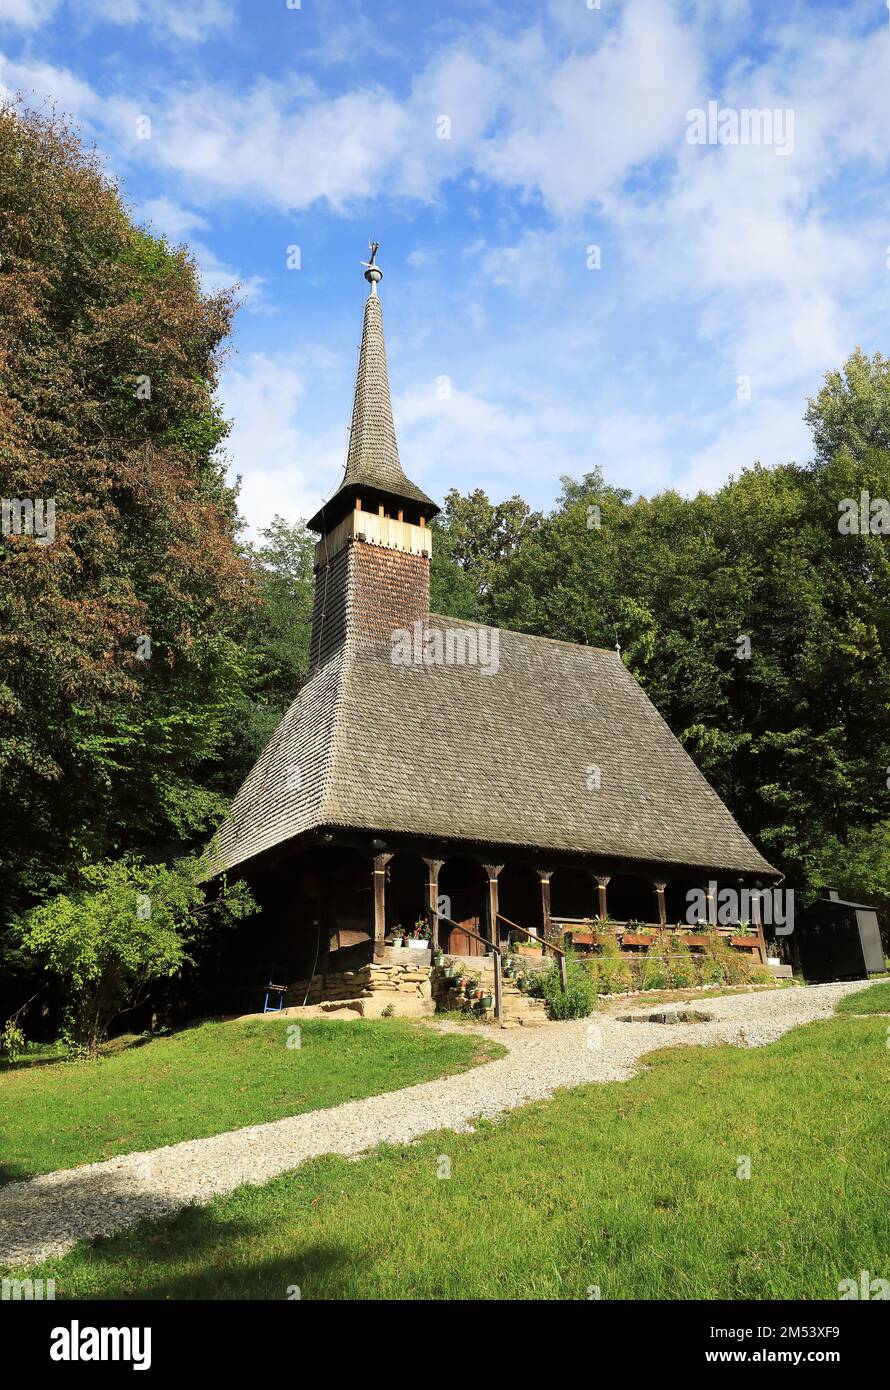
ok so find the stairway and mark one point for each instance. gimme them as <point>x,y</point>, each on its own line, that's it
<point>518,1009</point>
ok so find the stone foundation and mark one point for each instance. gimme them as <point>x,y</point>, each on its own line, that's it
<point>386,988</point>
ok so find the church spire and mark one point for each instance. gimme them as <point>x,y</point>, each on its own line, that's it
<point>374,474</point>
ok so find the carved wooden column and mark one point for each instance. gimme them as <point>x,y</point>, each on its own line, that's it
<point>712,905</point>
<point>602,883</point>
<point>757,918</point>
<point>660,886</point>
<point>379,863</point>
<point>544,876</point>
<point>434,867</point>
<point>492,870</point>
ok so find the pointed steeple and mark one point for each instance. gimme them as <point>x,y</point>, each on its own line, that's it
<point>374,474</point>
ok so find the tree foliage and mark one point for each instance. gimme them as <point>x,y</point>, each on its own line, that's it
<point>120,670</point>
<point>125,927</point>
<point>792,725</point>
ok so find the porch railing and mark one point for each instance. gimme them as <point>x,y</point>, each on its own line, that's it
<point>550,946</point>
<point>436,917</point>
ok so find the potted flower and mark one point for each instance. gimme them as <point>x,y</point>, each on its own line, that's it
<point>397,935</point>
<point>485,1001</point>
<point>420,936</point>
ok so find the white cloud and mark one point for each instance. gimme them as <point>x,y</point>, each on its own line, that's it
<point>279,459</point>
<point>27,14</point>
<point>192,21</point>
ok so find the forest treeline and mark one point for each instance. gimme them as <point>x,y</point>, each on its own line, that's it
<point>148,651</point>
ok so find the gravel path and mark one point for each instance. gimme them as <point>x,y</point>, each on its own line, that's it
<point>47,1215</point>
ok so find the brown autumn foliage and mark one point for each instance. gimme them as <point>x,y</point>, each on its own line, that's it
<point>109,354</point>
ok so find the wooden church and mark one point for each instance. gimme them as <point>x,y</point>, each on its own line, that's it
<point>519,778</point>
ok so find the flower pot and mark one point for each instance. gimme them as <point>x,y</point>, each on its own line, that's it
<point>486,1001</point>
<point>638,938</point>
<point>397,941</point>
<point>693,939</point>
<point>744,940</point>
<point>583,938</point>
<point>419,943</point>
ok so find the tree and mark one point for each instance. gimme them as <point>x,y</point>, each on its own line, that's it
<point>760,631</point>
<point>122,676</point>
<point>125,927</point>
<point>476,535</point>
<point>852,411</point>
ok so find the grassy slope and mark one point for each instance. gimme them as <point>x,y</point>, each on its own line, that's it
<point>630,1186</point>
<point>874,1000</point>
<point>206,1080</point>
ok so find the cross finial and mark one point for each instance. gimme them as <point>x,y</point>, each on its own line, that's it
<point>373,273</point>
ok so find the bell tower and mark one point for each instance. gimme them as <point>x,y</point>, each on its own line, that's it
<point>372,563</point>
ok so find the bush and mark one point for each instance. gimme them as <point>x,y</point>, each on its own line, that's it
<point>724,965</point>
<point>656,969</point>
<point>576,1001</point>
<point>682,965</point>
<point>129,925</point>
<point>613,973</point>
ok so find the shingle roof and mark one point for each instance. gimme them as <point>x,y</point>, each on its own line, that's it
<point>504,758</point>
<point>373,459</point>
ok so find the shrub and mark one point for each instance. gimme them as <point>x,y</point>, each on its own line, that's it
<point>579,997</point>
<point>613,973</point>
<point>129,925</point>
<point>656,970</point>
<point>682,965</point>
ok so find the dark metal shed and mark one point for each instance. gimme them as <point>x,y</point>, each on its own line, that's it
<point>837,940</point>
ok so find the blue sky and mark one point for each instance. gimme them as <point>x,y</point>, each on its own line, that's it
<point>512,361</point>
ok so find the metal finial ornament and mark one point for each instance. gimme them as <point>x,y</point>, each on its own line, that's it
<point>373,273</point>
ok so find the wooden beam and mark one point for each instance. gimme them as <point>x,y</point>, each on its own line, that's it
<point>602,883</point>
<point>544,876</point>
<point>434,867</point>
<point>660,886</point>
<point>758,921</point>
<point>378,880</point>
<point>492,870</point>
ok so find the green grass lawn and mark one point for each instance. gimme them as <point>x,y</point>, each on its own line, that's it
<point>204,1080</point>
<point>874,1000</point>
<point>631,1187</point>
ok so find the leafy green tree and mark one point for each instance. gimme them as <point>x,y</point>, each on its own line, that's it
<point>127,926</point>
<point>283,565</point>
<point>759,629</point>
<point>476,535</point>
<point>852,411</point>
<point>121,675</point>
